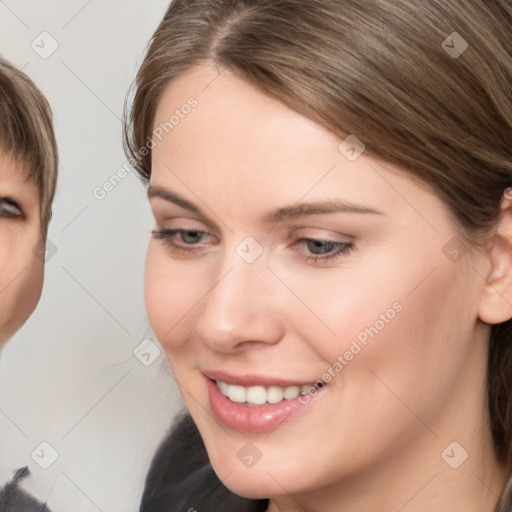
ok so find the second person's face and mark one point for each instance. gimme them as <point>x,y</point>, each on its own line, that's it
<point>279,260</point>
<point>21,249</point>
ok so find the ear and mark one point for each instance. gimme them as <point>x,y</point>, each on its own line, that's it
<point>496,299</point>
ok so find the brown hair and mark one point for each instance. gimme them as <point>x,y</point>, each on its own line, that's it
<point>27,135</point>
<point>382,70</point>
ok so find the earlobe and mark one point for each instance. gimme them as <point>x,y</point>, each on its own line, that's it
<point>496,300</point>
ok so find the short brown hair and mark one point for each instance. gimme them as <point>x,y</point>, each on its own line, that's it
<point>27,134</point>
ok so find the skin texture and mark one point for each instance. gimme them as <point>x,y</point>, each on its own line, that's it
<point>21,270</point>
<point>374,437</point>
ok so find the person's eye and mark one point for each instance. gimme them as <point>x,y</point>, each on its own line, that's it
<point>9,209</point>
<point>314,250</point>
<point>183,241</point>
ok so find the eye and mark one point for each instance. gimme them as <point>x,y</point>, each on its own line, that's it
<point>312,250</point>
<point>320,247</point>
<point>9,209</point>
<point>322,250</point>
<point>178,239</point>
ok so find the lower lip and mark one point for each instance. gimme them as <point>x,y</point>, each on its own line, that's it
<point>260,418</point>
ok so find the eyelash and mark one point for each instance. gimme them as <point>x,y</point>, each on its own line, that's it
<point>168,235</point>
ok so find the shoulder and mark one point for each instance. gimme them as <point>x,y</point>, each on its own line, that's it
<point>15,499</point>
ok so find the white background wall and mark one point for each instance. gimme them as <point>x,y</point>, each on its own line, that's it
<point>69,377</point>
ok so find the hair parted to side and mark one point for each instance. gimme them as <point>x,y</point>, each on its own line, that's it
<point>27,134</point>
<point>376,69</point>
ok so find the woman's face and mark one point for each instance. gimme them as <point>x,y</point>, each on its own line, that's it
<point>282,258</point>
<point>21,253</point>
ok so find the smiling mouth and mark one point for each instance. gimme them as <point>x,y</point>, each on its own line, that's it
<point>261,395</point>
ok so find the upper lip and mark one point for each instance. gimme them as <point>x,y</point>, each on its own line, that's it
<point>248,380</point>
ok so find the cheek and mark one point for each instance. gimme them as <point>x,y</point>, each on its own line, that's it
<point>420,354</point>
<point>171,294</point>
<point>394,317</point>
<point>21,283</point>
<point>344,308</point>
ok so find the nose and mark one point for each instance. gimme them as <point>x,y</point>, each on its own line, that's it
<point>241,309</point>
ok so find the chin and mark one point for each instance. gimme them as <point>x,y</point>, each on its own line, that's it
<point>264,479</point>
<point>253,486</point>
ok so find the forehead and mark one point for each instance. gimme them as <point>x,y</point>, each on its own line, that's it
<point>239,139</point>
<point>227,100</point>
<point>236,130</point>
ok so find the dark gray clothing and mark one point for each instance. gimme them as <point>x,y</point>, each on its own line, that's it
<point>15,499</point>
<point>182,479</point>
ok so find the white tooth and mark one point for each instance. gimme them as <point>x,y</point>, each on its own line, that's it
<point>223,387</point>
<point>291,392</point>
<point>259,395</point>
<point>237,394</point>
<point>256,395</point>
<point>307,388</point>
<point>275,394</point>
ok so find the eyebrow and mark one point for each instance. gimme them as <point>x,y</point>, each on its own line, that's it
<point>285,213</point>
